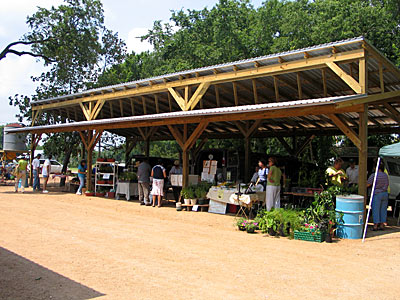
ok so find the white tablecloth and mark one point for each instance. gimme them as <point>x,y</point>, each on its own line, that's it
<point>228,196</point>
<point>128,189</point>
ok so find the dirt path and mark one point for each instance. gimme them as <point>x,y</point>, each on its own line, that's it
<point>63,246</point>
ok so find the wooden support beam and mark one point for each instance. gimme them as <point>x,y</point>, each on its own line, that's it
<point>132,106</point>
<point>121,107</point>
<point>35,116</point>
<point>177,135</point>
<point>369,99</point>
<point>255,94</point>
<point>363,154</point>
<point>276,88</point>
<point>299,88</point>
<point>303,146</point>
<point>96,110</point>
<point>394,113</point>
<point>235,95</point>
<point>285,145</point>
<point>381,81</point>
<point>169,102</point>
<point>178,98</point>
<point>130,144</point>
<point>156,103</point>
<point>346,130</point>
<point>197,96</point>
<point>216,89</point>
<point>85,111</point>
<point>324,86</point>
<point>276,69</point>
<point>144,105</point>
<point>191,140</point>
<point>247,151</point>
<point>363,74</point>
<point>350,81</point>
<point>111,109</point>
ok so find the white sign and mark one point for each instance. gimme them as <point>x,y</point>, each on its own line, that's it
<point>217,207</point>
<point>195,208</point>
<point>106,176</point>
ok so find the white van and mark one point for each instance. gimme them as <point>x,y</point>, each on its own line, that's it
<point>392,165</point>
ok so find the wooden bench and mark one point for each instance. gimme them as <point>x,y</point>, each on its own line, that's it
<point>203,207</point>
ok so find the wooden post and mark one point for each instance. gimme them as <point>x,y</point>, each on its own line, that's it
<point>89,163</point>
<point>147,149</point>
<point>247,159</point>
<point>185,167</point>
<point>33,148</point>
<point>363,153</point>
<point>185,159</point>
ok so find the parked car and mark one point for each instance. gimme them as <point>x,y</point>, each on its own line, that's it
<point>56,167</point>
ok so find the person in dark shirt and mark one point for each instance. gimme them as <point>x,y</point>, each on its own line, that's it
<point>159,174</point>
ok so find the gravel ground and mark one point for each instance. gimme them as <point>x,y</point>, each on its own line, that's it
<point>64,246</point>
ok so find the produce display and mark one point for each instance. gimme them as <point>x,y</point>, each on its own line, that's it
<point>128,177</point>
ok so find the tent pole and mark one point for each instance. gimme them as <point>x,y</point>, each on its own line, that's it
<point>370,198</point>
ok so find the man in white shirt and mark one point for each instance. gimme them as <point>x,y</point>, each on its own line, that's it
<point>46,169</point>
<point>36,171</point>
<point>352,172</point>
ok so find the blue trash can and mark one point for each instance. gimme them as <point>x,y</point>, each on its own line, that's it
<point>352,208</point>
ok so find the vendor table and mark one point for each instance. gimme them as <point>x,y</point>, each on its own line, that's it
<point>219,197</point>
<point>228,196</point>
<point>303,198</point>
<point>128,189</point>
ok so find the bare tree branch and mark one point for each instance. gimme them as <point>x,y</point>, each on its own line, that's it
<point>8,50</point>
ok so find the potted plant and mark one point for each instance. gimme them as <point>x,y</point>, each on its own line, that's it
<point>100,159</point>
<point>101,181</point>
<point>201,193</point>
<point>241,224</point>
<point>110,159</point>
<point>100,193</point>
<point>89,193</point>
<point>187,193</point>
<point>310,232</point>
<point>251,226</point>
<point>111,194</point>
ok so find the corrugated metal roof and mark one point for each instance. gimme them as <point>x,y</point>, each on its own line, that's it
<point>318,50</point>
<point>196,113</point>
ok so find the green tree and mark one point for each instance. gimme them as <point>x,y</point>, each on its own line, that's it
<point>79,48</point>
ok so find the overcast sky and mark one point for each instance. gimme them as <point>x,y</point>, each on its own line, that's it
<point>129,18</point>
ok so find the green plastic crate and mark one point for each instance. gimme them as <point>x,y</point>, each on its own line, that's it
<point>308,236</point>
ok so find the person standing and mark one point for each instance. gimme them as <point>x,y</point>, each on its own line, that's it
<point>46,169</point>
<point>335,174</point>
<point>254,178</point>
<point>176,170</point>
<point>143,174</point>
<point>21,174</point>
<point>262,173</point>
<point>36,172</point>
<point>352,172</point>
<point>273,194</point>
<point>81,175</point>
<point>380,198</point>
<point>159,174</point>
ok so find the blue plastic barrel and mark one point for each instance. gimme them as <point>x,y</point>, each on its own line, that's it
<point>352,207</point>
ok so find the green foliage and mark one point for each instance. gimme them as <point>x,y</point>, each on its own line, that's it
<point>188,192</point>
<point>322,211</point>
<point>281,220</point>
<point>128,176</point>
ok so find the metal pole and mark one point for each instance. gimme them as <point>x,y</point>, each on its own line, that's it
<point>370,198</point>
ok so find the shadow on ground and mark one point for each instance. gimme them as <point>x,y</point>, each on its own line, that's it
<point>21,278</point>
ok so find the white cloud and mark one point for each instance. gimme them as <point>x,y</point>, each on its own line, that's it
<point>134,43</point>
<point>15,73</point>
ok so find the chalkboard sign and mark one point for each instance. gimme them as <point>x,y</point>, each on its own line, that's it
<point>217,207</point>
